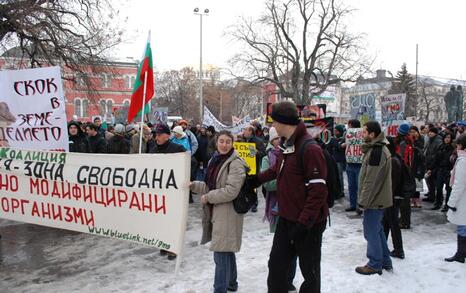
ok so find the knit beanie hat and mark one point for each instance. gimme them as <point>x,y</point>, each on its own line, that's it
<point>340,128</point>
<point>403,129</point>
<point>434,130</point>
<point>285,112</point>
<point>273,134</point>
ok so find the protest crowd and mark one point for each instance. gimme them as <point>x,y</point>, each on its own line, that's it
<point>300,176</point>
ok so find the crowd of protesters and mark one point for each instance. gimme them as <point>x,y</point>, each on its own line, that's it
<point>382,189</point>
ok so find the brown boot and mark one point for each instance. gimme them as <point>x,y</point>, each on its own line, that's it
<point>365,270</point>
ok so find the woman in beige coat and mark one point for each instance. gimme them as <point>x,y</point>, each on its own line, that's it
<point>221,224</point>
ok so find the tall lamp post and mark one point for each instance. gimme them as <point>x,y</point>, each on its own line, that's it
<point>198,12</point>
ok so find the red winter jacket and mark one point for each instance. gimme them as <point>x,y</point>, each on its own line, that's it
<point>298,201</point>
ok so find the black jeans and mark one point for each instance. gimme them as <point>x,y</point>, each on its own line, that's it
<point>431,185</point>
<point>390,223</point>
<point>404,206</point>
<point>308,249</point>
<point>443,178</point>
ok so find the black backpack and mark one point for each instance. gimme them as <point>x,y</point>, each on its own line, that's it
<point>246,196</point>
<point>333,181</point>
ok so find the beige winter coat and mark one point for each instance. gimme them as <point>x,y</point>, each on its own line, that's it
<point>225,226</point>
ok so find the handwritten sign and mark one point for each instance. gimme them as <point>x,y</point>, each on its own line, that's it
<point>354,140</point>
<point>140,198</point>
<point>32,109</point>
<point>363,107</point>
<point>247,151</point>
<point>393,107</point>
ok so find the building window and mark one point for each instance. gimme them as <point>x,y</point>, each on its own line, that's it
<point>105,80</point>
<point>109,106</point>
<point>130,79</point>
<point>103,105</point>
<point>85,105</point>
<point>77,107</point>
<point>126,103</point>
<point>106,106</point>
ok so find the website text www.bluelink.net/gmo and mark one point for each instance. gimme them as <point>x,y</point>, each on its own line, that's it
<point>128,236</point>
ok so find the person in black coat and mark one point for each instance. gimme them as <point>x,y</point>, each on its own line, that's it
<point>391,214</point>
<point>249,134</point>
<point>162,144</point>
<point>118,144</point>
<point>97,143</point>
<point>77,139</point>
<point>444,167</point>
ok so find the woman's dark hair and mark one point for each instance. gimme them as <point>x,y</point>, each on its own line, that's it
<point>224,132</point>
<point>462,141</point>
<point>373,127</point>
<point>445,136</point>
<point>354,123</point>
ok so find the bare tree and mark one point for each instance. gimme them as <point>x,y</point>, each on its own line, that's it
<point>176,89</point>
<point>302,46</point>
<point>430,106</point>
<point>71,33</point>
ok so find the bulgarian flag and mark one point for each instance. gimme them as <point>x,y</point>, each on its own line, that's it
<point>144,81</point>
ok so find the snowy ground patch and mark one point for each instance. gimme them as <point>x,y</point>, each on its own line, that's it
<point>41,259</point>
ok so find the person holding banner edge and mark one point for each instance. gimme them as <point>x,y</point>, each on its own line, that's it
<point>221,224</point>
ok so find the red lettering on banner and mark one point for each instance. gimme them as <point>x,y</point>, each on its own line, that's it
<point>147,206</point>
<point>162,207</point>
<point>111,200</point>
<point>8,182</point>
<point>135,201</point>
<point>122,197</point>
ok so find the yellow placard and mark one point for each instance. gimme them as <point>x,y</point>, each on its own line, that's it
<point>247,151</point>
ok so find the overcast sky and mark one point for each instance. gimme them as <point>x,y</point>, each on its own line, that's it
<point>393,29</point>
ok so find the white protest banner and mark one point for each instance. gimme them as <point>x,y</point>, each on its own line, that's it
<point>354,140</point>
<point>140,198</point>
<point>32,109</point>
<point>210,120</point>
<point>390,128</point>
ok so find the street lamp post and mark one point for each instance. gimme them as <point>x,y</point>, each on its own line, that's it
<point>197,12</point>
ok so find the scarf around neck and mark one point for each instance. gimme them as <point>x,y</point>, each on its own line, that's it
<point>214,166</point>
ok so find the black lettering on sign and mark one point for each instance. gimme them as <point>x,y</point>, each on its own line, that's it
<point>94,175</point>
<point>31,87</point>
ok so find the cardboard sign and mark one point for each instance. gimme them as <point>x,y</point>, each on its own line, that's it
<point>140,198</point>
<point>393,108</point>
<point>354,140</point>
<point>32,109</point>
<point>247,151</point>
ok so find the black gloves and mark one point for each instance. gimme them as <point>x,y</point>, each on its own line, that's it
<point>253,181</point>
<point>451,208</point>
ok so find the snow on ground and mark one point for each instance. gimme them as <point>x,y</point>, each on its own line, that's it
<point>41,259</point>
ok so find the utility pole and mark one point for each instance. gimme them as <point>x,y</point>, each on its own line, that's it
<point>417,63</point>
<point>201,107</point>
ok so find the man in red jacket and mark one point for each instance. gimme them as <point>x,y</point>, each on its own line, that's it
<point>302,201</point>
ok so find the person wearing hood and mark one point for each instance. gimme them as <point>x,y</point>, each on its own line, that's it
<point>77,139</point>
<point>179,137</point>
<point>457,200</point>
<point>375,195</point>
<point>118,144</point>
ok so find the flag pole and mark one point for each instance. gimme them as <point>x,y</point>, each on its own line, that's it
<point>142,113</point>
